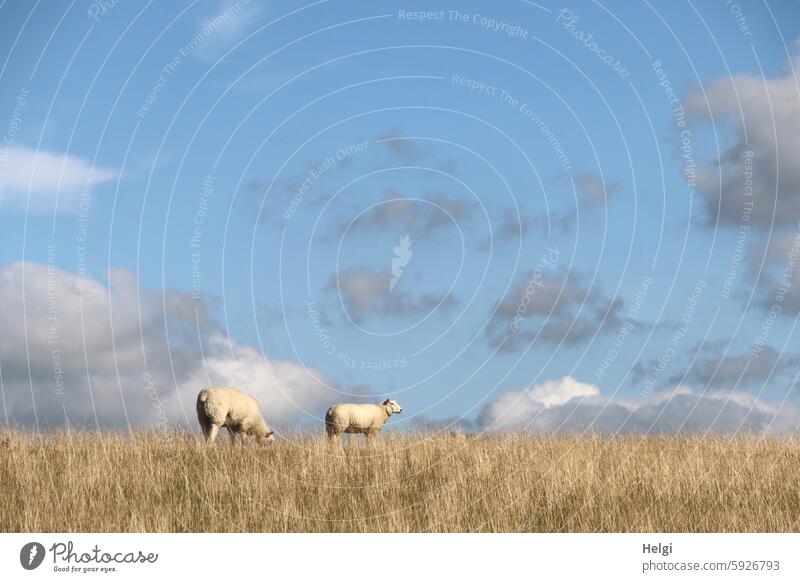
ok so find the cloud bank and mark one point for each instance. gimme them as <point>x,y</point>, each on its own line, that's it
<point>75,351</point>
<point>570,406</point>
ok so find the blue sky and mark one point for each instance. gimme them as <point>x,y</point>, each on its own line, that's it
<point>242,173</point>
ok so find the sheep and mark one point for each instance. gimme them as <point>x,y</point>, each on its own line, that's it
<point>366,419</point>
<point>236,411</point>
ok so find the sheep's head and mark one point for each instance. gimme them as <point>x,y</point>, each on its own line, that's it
<point>392,407</point>
<point>267,437</point>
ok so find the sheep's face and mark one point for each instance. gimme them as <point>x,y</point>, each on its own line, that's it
<point>267,438</point>
<point>393,406</point>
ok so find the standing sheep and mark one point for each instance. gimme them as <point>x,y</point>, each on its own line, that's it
<point>366,419</point>
<point>238,412</point>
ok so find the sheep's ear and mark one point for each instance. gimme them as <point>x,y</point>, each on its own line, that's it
<point>385,402</point>
<point>269,434</point>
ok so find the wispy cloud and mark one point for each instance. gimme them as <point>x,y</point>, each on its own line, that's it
<point>593,193</point>
<point>412,150</point>
<point>46,177</point>
<point>552,305</point>
<point>771,269</point>
<point>221,30</point>
<point>407,149</point>
<point>422,219</point>
<point>367,293</point>
<point>716,367</point>
<point>512,227</point>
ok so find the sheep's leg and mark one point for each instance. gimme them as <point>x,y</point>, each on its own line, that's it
<point>212,434</point>
<point>333,434</point>
<point>232,434</point>
<point>205,427</point>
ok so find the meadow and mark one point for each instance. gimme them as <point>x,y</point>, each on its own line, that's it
<point>153,482</point>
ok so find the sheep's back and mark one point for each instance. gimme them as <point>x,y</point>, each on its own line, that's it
<point>221,403</point>
<point>356,415</point>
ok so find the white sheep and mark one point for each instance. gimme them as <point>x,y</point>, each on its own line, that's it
<point>366,419</point>
<point>236,411</point>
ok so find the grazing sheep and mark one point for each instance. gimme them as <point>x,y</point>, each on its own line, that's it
<point>238,412</point>
<point>366,419</point>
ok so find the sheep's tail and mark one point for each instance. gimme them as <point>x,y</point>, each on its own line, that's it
<point>202,414</point>
<point>330,425</point>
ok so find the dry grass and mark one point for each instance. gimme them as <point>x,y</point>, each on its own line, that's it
<point>156,483</point>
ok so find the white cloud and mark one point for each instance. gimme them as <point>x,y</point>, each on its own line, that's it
<point>49,176</point>
<point>568,405</point>
<point>516,408</point>
<point>99,356</point>
<point>284,388</point>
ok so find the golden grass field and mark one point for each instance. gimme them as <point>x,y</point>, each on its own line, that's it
<point>152,482</point>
